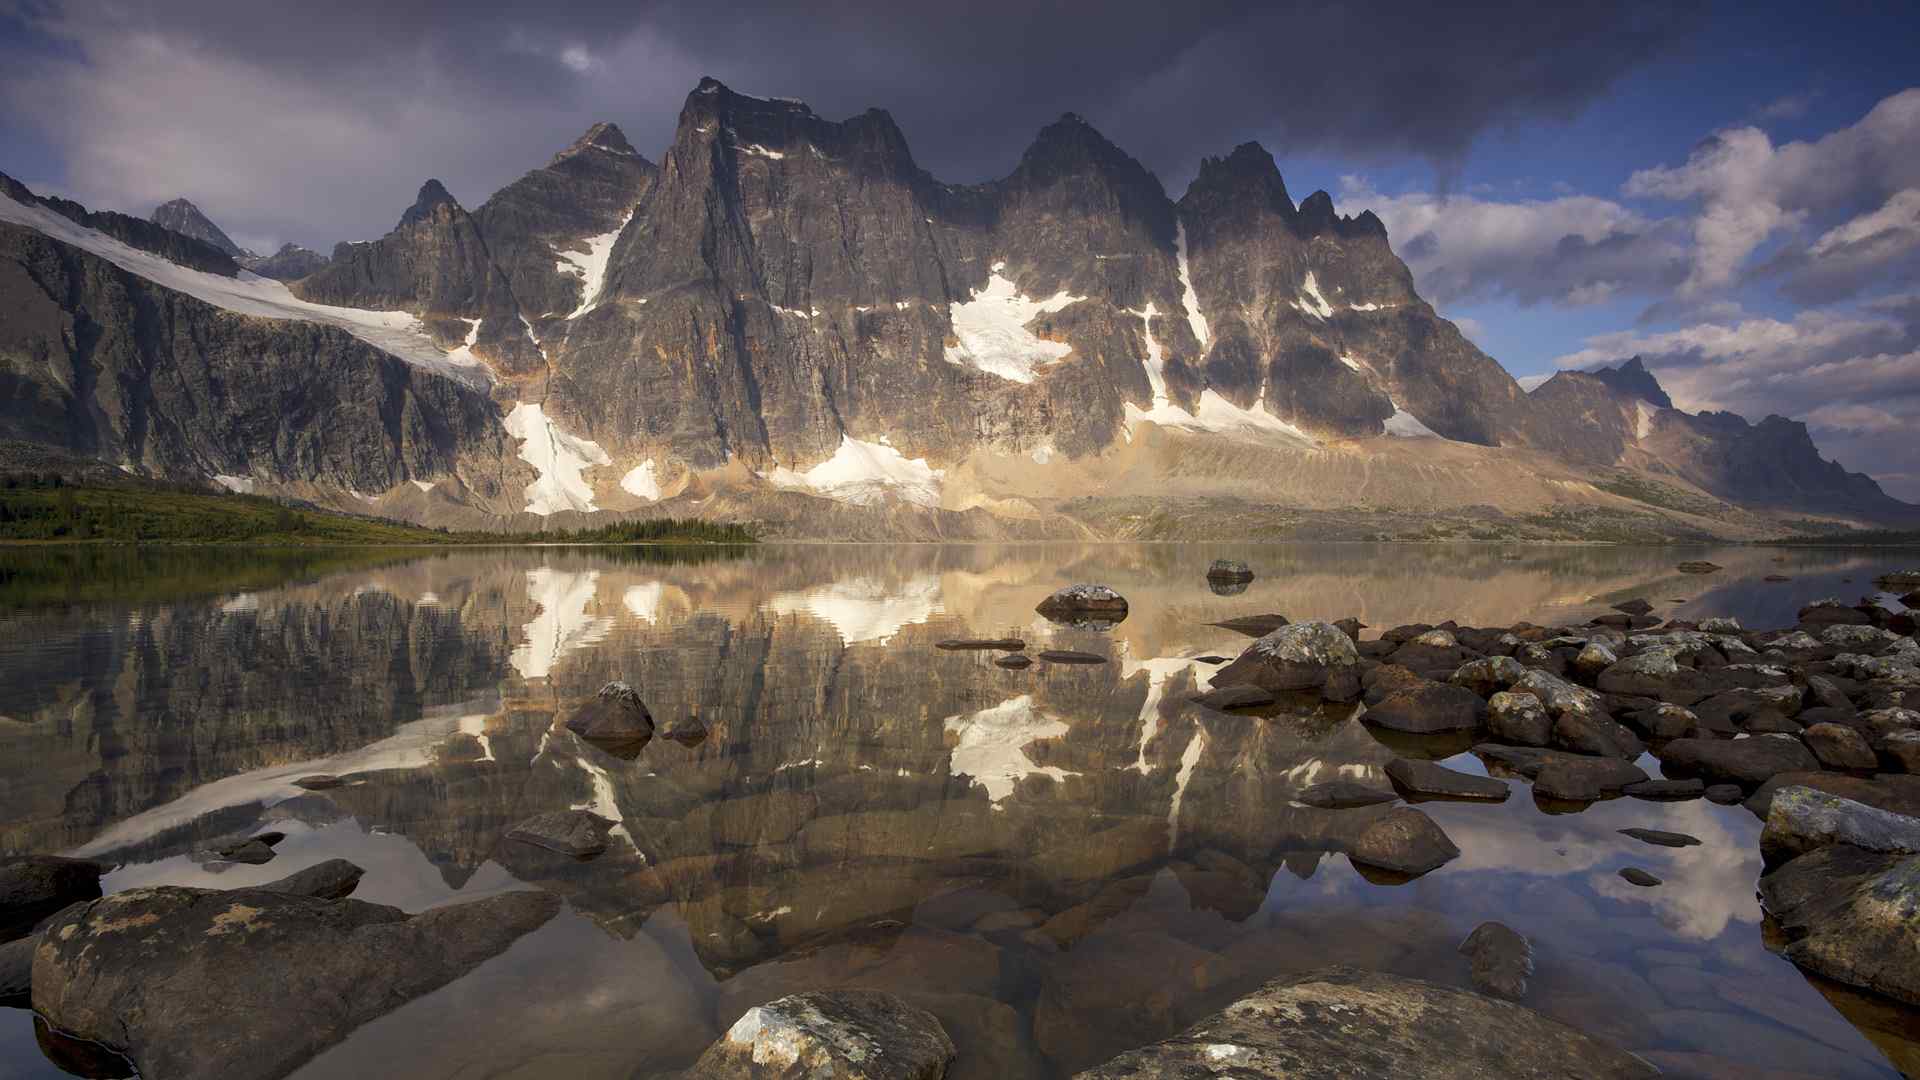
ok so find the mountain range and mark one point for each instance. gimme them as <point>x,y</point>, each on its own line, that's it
<point>786,320</point>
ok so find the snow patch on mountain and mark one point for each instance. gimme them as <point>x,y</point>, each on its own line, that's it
<point>464,355</point>
<point>1530,383</point>
<point>591,266</point>
<point>558,457</point>
<point>1156,360</point>
<point>1311,301</point>
<point>866,472</point>
<point>395,332</point>
<point>239,485</point>
<point>991,328</point>
<point>1188,296</point>
<point>1645,412</point>
<point>642,480</point>
<point>1406,425</point>
<point>993,745</point>
<point>1217,415</point>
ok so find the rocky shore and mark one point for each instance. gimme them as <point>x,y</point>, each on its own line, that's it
<point>1813,727</point>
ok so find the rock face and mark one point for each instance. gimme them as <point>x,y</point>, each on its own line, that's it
<point>186,219</point>
<point>131,231</point>
<point>249,984</point>
<point>830,1035</point>
<point>1340,1022</point>
<point>33,887</point>
<point>1302,656</point>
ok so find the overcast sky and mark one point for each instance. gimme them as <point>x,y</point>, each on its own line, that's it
<point>1732,190</point>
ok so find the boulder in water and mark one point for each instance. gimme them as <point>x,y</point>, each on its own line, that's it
<point>830,1035</point>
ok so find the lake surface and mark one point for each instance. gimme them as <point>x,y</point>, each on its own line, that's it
<point>1061,863</point>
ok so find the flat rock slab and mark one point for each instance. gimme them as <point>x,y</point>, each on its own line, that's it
<point>1663,790</point>
<point>1235,697</point>
<point>334,879</point>
<point>1253,625</point>
<point>981,644</point>
<point>1748,762</point>
<point>1339,1023</point>
<point>579,834</point>
<point>1344,795</point>
<point>1636,876</point>
<point>1430,780</point>
<point>1804,819</point>
<point>319,782</point>
<point>245,984</point>
<point>1013,661</point>
<point>830,1035</point>
<point>1662,838</point>
<point>1850,915</point>
<point>1070,656</point>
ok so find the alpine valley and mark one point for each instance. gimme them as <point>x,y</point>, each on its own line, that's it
<point>785,321</point>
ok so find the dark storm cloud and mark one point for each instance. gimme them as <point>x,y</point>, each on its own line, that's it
<point>317,120</point>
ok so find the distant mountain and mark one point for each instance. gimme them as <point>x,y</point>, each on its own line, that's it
<point>186,219</point>
<point>788,319</point>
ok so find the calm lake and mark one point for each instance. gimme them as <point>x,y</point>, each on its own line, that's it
<point>1061,862</point>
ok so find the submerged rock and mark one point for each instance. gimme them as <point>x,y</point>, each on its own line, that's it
<point>1430,780</point>
<point>830,1035</point>
<point>1342,1022</point>
<point>1405,841</point>
<point>246,984</point>
<point>1301,656</point>
<point>616,713</point>
<point>579,834</point>
<point>1084,602</point>
<point>1850,915</point>
<point>33,887</point>
<point>1499,960</point>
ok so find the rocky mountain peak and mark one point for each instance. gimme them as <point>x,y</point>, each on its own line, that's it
<point>603,136</point>
<point>433,196</point>
<point>1072,152</point>
<point>183,217</point>
<point>1247,174</point>
<point>1633,379</point>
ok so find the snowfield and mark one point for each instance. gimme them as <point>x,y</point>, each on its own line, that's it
<point>992,331</point>
<point>1188,296</point>
<point>558,457</point>
<point>864,472</point>
<point>642,480</point>
<point>591,266</point>
<point>394,332</point>
<point>1406,425</point>
<point>1216,415</point>
<point>993,742</point>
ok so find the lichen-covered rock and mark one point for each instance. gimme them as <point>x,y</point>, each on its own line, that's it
<point>830,1035</point>
<point>245,984</point>
<point>1655,673</point>
<point>615,714</point>
<point>1519,719</point>
<point>1852,916</point>
<point>1300,656</point>
<point>1560,696</point>
<point>1405,841</point>
<point>1341,1023</point>
<point>1229,570</point>
<point>1500,960</point>
<point>1802,819</point>
<point>1076,603</point>
<point>1720,626</point>
<point>1840,747</point>
<point>1488,676</point>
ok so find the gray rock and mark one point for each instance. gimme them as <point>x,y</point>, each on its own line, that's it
<point>1802,819</point>
<point>1489,675</point>
<point>1584,779</point>
<point>1430,780</point>
<point>1300,656</point>
<point>830,1035</point>
<point>1724,794</point>
<point>16,972</point>
<point>1254,625</point>
<point>1426,708</point>
<point>580,834</point>
<point>1900,751</point>
<point>1405,841</point>
<point>1500,960</point>
<point>1720,626</point>
<point>1520,719</point>
<point>1662,838</point>
<point>334,879</point>
<point>1338,1023</point>
<point>1748,762</point>
<point>245,984</point>
<point>1840,747</point>
<point>1235,697</point>
<point>1849,914</point>
<point>1084,602</point>
<point>1636,876</point>
<point>33,887</point>
<point>1665,721</point>
<point>686,729</point>
<point>1344,794</point>
<point>1596,735</point>
<point>1655,673</point>
<point>1893,792</point>
<point>615,714</point>
<point>1560,696</point>
<point>1594,658</point>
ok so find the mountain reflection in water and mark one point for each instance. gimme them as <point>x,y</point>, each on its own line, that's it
<point>1060,862</point>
